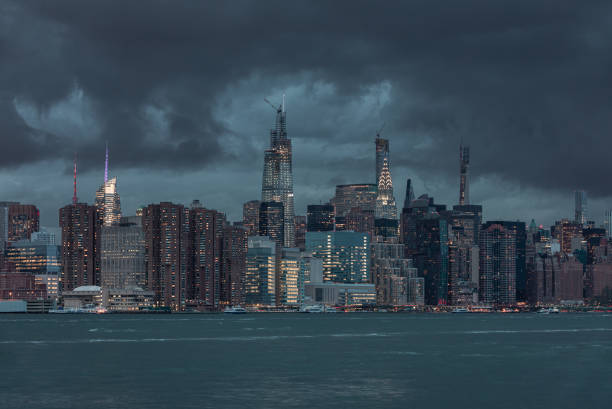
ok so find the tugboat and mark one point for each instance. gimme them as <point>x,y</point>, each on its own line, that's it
<point>235,310</point>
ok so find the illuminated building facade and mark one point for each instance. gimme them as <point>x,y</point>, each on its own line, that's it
<point>235,247</point>
<point>122,255</point>
<point>362,196</point>
<point>320,217</point>
<point>300,232</point>
<point>20,286</point>
<point>250,217</point>
<point>204,256</point>
<point>498,263</point>
<point>271,221</point>
<point>291,278</point>
<point>108,203</point>
<point>78,224</point>
<point>345,255</point>
<point>165,227</point>
<point>277,183</point>
<point>260,276</point>
<point>23,220</point>
<point>391,272</point>
<point>35,257</point>
<point>385,207</point>
<point>359,220</point>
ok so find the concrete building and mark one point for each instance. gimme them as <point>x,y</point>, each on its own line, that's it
<point>86,296</point>
<point>391,272</point>
<point>78,224</point>
<point>498,259</point>
<point>166,227</point>
<point>129,299</point>
<point>250,217</point>
<point>21,286</point>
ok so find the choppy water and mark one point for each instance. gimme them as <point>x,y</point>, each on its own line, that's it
<point>306,361</point>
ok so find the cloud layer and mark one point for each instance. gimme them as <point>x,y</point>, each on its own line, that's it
<point>177,91</point>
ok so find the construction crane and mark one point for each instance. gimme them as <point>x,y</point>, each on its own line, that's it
<point>380,130</point>
<point>277,109</point>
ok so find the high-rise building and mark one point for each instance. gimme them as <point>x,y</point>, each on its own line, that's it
<point>4,223</point>
<point>359,220</point>
<point>464,182</point>
<point>23,220</point>
<point>320,217</point>
<point>385,207</point>
<point>271,222</point>
<point>499,256</point>
<point>430,253</point>
<point>566,231</point>
<point>122,254</point>
<point>409,194</point>
<point>260,276</point>
<point>391,272</point>
<point>348,197</point>
<point>250,217</point>
<point>345,255</point>
<point>166,228</point>
<point>78,224</point>
<point>300,232</point>
<point>581,207</point>
<point>204,256</point>
<point>290,279</point>
<point>233,266</point>
<point>35,257</point>
<point>278,174</point>
<point>107,199</point>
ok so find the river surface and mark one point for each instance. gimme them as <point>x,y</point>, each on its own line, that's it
<point>356,360</point>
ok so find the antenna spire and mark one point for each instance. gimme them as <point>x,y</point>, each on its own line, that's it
<point>74,196</point>
<point>106,165</point>
<point>283,106</point>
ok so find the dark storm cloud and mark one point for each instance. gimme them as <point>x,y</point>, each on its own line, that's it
<point>525,83</point>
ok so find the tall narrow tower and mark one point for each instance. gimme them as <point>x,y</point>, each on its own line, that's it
<point>277,183</point>
<point>581,207</point>
<point>385,201</point>
<point>107,199</point>
<point>464,163</point>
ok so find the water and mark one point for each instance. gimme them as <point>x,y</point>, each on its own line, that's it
<point>359,360</point>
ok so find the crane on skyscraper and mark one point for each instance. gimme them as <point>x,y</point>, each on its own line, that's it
<point>381,129</point>
<point>277,109</point>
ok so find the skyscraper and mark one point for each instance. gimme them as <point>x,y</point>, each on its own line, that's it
<point>409,194</point>
<point>581,207</point>
<point>78,223</point>
<point>464,163</point>
<point>165,228</point>
<point>345,255</point>
<point>250,217</point>
<point>235,246</point>
<point>122,254</point>
<point>23,220</point>
<point>107,199</point>
<point>278,174</point>
<point>271,221</point>
<point>499,257</point>
<point>204,256</point>
<point>261,270</point>
<point>385,201</point>
<point>320,217</point>
<point>362,195</point>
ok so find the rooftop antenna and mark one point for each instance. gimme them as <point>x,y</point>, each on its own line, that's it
<point>283,103</point>
<point>74,196</point>
<point>106,165</point>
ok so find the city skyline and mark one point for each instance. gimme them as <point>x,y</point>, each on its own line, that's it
<point>198,132</point>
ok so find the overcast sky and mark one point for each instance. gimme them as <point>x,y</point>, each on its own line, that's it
<point>177,89</point>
